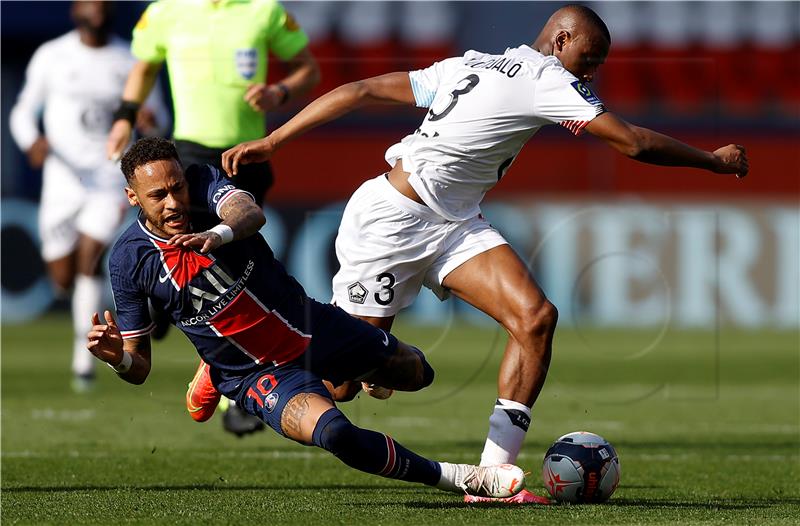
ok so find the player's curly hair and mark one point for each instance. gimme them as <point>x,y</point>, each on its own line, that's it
<point>146,151</point>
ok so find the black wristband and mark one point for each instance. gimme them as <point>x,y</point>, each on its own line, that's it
<point>127,111</point>
<point>285,91</point>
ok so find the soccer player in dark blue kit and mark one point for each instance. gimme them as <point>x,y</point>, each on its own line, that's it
<point>266,343</point>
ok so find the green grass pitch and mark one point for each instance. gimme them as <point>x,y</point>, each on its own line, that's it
<point>706,424</point>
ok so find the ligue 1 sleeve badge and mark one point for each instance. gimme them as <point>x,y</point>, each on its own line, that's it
<point>247,62</point>
<point>585,92</point>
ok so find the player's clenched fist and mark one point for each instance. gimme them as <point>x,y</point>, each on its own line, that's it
<point>732,159</point>
<point>105,340</point>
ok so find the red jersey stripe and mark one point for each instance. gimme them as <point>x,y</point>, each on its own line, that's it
<point>257,331</point>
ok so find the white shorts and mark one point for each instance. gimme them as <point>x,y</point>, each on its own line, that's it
<point>388,246</point>
<point>69,209</point>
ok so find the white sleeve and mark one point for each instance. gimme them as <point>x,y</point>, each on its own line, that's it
<point>564,100</point>
<point>24,117</point>
<point>425,82</point>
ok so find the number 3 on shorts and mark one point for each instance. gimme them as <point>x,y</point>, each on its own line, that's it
<point>386,294</point>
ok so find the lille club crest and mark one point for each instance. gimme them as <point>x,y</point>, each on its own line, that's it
<point>247,62</point>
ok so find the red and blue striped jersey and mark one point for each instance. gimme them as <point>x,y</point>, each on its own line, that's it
<point>237,304</point>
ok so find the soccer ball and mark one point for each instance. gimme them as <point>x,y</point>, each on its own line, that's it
<point>581,467</point>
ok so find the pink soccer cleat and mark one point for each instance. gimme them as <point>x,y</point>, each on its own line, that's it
<point>523,497</point>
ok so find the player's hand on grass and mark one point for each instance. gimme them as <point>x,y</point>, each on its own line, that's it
<point>105,340</point>
<point>731,159</point>
<point>118,138</point>
<point>257,151</point>
<point>206,241</point>
<point>262,97</point>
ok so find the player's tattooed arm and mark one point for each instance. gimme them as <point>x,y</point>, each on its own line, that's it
<point>241,218</point>
<point>242,214</point>
<point>132,354</point>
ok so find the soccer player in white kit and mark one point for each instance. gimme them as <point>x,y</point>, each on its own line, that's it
<point>421,223</point>
<point>74,82</point>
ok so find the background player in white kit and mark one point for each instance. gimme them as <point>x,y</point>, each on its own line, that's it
<point>421,223</point>
<point>74,82</point>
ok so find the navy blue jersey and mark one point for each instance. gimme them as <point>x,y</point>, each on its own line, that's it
<point>237,305</point>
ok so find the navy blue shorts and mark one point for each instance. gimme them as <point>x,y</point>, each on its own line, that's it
<point>342,348</point>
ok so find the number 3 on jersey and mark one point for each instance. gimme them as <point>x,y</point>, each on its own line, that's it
<point>463,87</point>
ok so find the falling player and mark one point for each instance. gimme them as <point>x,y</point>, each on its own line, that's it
<point>266,343</point>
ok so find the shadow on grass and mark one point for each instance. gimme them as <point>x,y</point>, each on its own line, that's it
<point>713,505</point>
<point>210,487</point>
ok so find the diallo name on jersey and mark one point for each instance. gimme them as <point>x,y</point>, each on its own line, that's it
<point>504,65</point>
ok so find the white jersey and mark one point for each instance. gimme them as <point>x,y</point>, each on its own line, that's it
<point>483,109</point>
<point>78,87</point>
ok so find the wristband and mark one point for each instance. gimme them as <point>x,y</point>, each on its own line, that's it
<point>127,110</point>
<point>125,365</point>
<point>223,231</point>
<point>284,91</point>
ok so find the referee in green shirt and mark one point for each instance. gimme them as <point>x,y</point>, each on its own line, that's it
<point>216,53</point>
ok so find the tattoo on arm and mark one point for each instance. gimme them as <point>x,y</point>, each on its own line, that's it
<point>293,414</point>
<point>243,215</point>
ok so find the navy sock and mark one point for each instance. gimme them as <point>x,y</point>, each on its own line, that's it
<point>371,451</point>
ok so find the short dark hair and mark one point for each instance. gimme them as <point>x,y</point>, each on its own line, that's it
<point>592,18</point>
<point>146,151</point>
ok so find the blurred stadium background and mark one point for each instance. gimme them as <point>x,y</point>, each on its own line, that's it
<point>678,291</point>
<point>613,242</point>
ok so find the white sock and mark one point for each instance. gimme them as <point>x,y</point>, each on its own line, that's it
<point>87,298</point>
<point>507,427</point>
<point>447,482</point>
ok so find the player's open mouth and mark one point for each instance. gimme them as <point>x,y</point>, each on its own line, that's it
<point>176,221</point>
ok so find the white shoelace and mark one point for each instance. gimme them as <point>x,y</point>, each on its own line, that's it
<point>484,477</point>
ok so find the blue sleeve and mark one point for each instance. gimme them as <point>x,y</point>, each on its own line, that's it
<point>211,187</point>
<point>130,301</point>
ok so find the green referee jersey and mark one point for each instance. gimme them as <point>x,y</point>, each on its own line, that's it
<point>214,52</point>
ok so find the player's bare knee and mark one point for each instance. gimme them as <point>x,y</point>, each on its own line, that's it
<point>535,322</point>
<point>62,281</point>
<point>408,369</point>
<point>425,373</point>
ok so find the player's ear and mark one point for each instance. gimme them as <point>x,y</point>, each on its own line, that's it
<point>561,39</point>
<point>131,195</point>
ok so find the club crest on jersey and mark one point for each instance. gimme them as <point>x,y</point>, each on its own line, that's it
<point>585,92</point>
<point>247,62</point>
<point>271,401</point>
<point>357,293</point>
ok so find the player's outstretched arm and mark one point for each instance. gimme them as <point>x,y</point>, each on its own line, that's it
<point>130,358</point>
<point>652,147</point>
<point>241,218</point>
<point>392,88</point>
